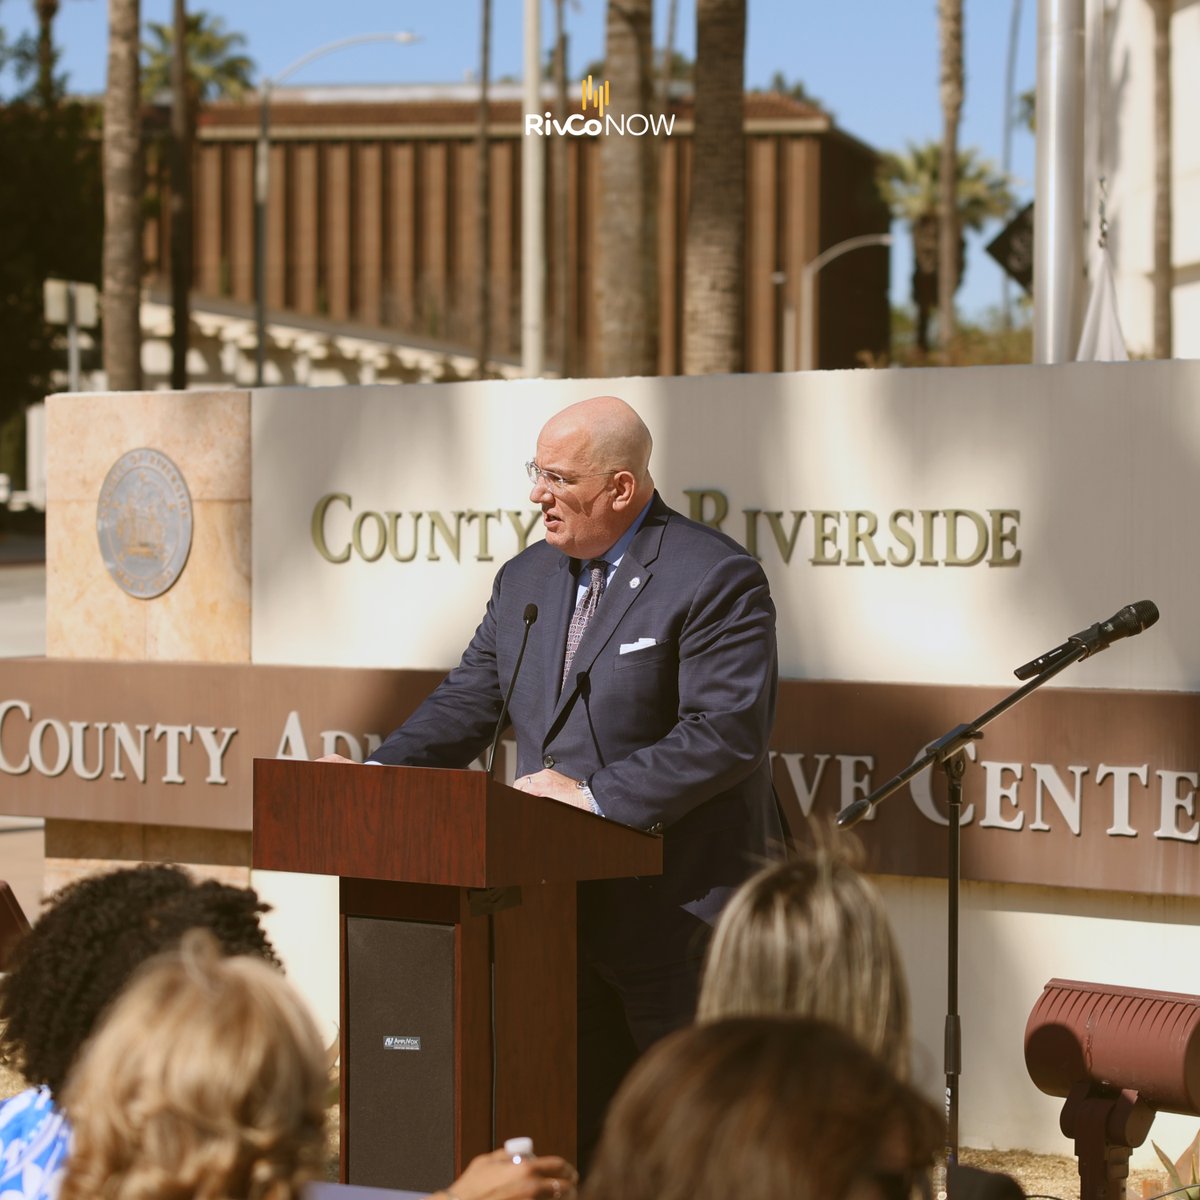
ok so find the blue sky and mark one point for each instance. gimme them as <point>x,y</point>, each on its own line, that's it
<point>872,63</point>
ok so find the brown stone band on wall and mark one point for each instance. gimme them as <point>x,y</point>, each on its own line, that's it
<point>1072,788</point>
<point>75,848</point>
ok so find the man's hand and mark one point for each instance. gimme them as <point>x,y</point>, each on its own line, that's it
<point>334,758</point>
<point>556,785</point>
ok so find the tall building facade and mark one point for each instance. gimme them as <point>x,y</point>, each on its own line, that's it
<point>372,223</point>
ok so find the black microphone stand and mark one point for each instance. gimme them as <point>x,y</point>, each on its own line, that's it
<point>492,900</point>
<point>947,752</point>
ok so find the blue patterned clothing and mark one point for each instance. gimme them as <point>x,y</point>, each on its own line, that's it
<point>34,1140</point>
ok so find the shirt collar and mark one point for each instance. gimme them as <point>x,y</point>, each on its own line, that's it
<point>616,552</point>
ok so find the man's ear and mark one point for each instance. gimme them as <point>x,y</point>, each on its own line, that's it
<point>624,489</point>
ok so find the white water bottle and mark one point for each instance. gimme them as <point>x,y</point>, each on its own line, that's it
<point>519,1148</point>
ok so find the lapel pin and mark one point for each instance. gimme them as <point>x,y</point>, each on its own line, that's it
<point>635,581</point>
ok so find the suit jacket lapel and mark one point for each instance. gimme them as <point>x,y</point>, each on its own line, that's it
<point>619,596</point>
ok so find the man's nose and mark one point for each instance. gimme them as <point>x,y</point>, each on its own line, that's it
<point>539,492</point>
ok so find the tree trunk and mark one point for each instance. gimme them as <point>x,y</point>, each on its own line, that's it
<point>182,141</point>
<point>484,194</point>
<point>122,201</point>
<point>1163,220</point>
<point>925,233</point>
<point>627,230</point>
<point>46,12</point>
<point>950,27</point>
<point>714,255</point>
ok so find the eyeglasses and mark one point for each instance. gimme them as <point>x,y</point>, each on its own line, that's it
<point>554,481</point>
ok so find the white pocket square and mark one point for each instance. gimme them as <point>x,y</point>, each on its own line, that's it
<point>640,644</point>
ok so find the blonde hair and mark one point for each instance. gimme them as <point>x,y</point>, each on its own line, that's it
<point>206,1079</point>
<point>811,938</point>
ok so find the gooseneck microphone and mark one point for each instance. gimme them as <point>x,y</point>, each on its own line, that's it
<point>530,615</point>
<point>1131,620</point>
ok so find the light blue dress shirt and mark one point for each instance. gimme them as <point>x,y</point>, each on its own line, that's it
<point>615,553</point>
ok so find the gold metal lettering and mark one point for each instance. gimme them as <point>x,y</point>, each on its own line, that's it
<point>928,554</point>
<point>483,554</point>
<point>953,558</point>
<point>393,538</point>
<point>856,536</point>
<point>787,545</point>
<point>318,528</point>
<point>697,497</point>
<point>356,538</point>
<point>438,524</point>
<point>1002,537</point>
<point>903,536</point>
<point>823,537</point>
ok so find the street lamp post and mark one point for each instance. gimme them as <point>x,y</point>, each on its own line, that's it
<point>808,278</point>
<point>262,177</point>
<point>533,207</point>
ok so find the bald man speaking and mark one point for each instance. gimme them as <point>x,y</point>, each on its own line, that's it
<point>647,695</point>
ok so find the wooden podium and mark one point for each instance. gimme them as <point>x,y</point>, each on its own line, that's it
<point>457,907</point>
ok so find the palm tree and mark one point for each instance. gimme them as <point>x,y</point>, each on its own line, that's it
<point>46,12</point>
<point>122,254</point>
<point>796,90</point>
<point>627,230</point>
<point>181,200</point>
<point>911,186</point>
<point>216,70</point>
<point>1163,271</point>
<point>714,252</point>
<point>950,35</point>
<point>200,65</point>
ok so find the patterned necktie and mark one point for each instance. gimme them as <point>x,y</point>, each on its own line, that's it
<point>584,611</point>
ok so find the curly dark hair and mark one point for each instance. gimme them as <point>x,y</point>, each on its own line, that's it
<point>91,938</point>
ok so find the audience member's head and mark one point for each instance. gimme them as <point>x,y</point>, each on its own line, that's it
<point>763,1108</point>
<point>810,937</point>
<point>206,1079</point>
<point>93,935</point>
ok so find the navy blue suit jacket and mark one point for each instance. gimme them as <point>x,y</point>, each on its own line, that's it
<point>671,733</point>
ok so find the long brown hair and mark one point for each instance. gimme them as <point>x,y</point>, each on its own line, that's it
<point>760,1108</point>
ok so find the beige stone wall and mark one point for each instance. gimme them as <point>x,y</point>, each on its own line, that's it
<point>205,617</point>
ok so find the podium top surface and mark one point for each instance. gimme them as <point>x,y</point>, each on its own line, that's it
<point>419,825</point>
